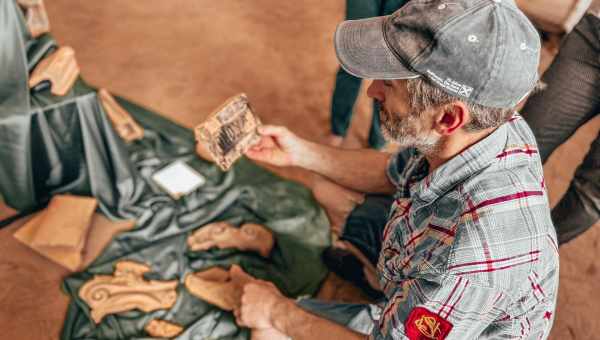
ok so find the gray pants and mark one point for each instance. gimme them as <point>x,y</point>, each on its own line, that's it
<point>571,99</point>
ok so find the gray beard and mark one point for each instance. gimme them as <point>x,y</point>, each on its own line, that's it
<point>405,133</point>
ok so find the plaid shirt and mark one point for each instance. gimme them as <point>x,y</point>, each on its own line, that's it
<point>469,251</point>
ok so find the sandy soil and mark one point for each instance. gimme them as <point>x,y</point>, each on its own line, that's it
<point>184,57</point>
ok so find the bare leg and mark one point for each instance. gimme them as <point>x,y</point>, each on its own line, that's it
<point>337,201</point>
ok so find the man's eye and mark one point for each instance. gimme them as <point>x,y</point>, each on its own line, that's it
<point>387,83</point>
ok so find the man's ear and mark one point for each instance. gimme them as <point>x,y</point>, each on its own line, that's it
<point>451,118</point>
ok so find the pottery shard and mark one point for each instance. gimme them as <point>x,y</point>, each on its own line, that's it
<point>124,124</point>
<point>229,131</point>
<point>35,17</point>
<point>218,286</point>
<point>163,329</point>
<point>250,237</point>
<point>60,68</point>
<point>126,290</point>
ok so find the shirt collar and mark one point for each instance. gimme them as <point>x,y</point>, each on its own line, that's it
<point>455,171</point>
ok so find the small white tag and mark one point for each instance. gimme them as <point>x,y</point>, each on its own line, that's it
<point>178,179</point>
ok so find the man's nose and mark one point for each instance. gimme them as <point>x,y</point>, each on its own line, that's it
<point>375,90</point>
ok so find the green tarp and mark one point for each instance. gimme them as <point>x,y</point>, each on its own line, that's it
<point>51,145</point>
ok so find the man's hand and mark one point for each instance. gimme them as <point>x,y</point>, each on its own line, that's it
<point>278,146</point>
<point>258,301</point>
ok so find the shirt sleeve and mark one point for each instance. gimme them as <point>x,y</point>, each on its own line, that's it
<point>396,168</point>
<point>451,307</point>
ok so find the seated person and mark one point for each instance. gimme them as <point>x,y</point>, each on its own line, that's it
<point>570,100</point>
<point>468,249</point>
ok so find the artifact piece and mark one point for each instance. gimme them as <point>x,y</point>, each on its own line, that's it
<point>65,222</point>
<point>59,68</point>
<point>35,17</point>
<point>163,329</point>
<point>121,120</point>
<point>229,131</point>
<point>218,286</point>
<point>126,290</point>
<point>250,237</point>
<point>100,233</point>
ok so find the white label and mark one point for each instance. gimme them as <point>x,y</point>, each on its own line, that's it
<point>451,85</point>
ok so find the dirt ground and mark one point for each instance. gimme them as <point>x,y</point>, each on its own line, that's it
<point>184,57</point>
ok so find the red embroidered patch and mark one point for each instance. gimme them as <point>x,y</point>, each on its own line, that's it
<point>422,324</point>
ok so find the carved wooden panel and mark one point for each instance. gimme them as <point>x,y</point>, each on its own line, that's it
<point>60,68</point>
<point>121,120</point>
<point>126,290</point>
<point>163,329</point>
<point>218,286</point>
<point>229,131</point>
<point>250,237</point>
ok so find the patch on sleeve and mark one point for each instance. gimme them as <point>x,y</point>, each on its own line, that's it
<point>422,324</point>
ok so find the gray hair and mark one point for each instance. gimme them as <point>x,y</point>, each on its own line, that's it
<point>423,96</point>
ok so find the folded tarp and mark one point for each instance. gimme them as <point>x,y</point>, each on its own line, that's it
<point>51,145</point>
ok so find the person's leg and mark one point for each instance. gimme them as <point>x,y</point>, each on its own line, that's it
<point>573,84</point>
<point>358,317</point>
<point>569,101</point>
<point>347,86</point>
<point>579,208</point>
<point>362,232</point>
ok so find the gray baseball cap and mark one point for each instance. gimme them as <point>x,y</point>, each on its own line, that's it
<point>485,51</point>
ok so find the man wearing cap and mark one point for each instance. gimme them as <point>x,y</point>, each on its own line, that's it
<point>468,250</point>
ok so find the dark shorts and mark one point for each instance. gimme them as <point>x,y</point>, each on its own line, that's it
<point>364,227</point>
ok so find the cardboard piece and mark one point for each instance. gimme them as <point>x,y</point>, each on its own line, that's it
<point>65,222</point>
<point>250,237</point>
<point>126,290</point>
<point>101,232</point>
<point>35,17</point>
<point>59,68</point>
<point>218,286</point>
<point>123,123</point>
<point>556,16</point>
<point>229,131</point>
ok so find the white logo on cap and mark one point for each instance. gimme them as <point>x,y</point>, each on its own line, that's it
<point>451,85</point>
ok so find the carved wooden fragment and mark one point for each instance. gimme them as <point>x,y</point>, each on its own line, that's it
<point>126,290</point>
<point>60,68</point>
<point>250,237</point>
<point>121,120</point>
<point>218,286</point>
<point>35,17</point>
<point>163,329</point>
<point>229,131</point>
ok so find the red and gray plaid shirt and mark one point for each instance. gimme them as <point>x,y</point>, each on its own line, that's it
<point>469,251</point>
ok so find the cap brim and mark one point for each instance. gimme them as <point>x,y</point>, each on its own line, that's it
<point>362,51</point>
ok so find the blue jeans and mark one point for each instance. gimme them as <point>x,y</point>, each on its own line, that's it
<point>347,86</point>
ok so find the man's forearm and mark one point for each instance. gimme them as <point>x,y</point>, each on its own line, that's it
<point>299,324</point>
<point>361,170</point>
